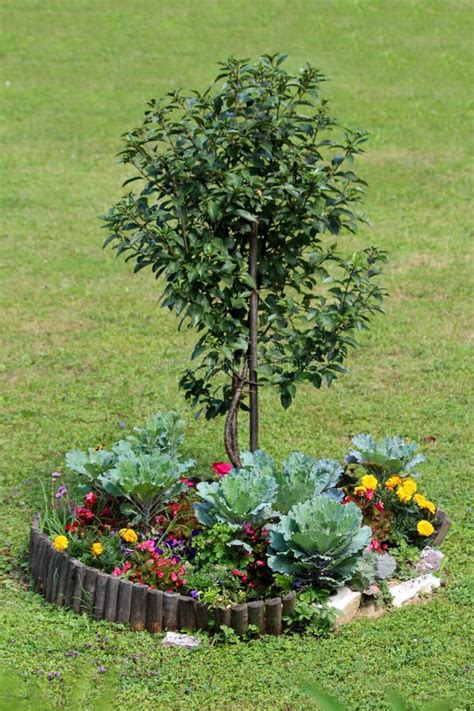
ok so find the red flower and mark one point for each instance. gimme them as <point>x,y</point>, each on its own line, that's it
<point>346,499</point>
<point>221,468</point>
<point>90,499</point>
<point>83,514</point>
<point>375,545</point>
<point>379,506</point>
<point>369,494</point>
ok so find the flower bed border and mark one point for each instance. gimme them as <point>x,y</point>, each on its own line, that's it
<point>66,582</point>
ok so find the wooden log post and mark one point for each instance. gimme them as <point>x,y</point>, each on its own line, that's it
<point>202,616</point>
<point>273,610</point>
<point>239,618</point>
<point>62,580</point>
<point>154,611</point>
<point>72,566</point>
<point>124,602</point>
<point>138,609</point>
<point>256,614</point>
<point>41,565</point>
<point>288,603</point>
<point>170,611</point>
<point>53,575</point>
<point>221,617</point>
<point>187,613</point>
<point>111,598</point>
<point>444,527</point>
<point>100,595</point>
<point>88,593</point>
<point>77,593</point>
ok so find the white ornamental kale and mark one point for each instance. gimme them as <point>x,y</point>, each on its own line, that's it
<point>304,477</point>
<point>389,456</point>
<point>240,497</point>
<point>319,541</point>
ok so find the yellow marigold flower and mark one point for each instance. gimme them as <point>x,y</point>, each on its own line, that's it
<point>392,482</point>
<point>128,535</point>
<point>430,506</point>
<point>370,482</point>
<point>410,485</point>
<point>406,490</point>
<point>60,543</point>
<point>424,528</point>
<point>360,490</point>
<point>97,549</point>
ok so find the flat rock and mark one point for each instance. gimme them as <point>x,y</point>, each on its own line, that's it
<point>175,639</point>
<point>405,592</point>
<point>346,602</point>
<point>430,561</point>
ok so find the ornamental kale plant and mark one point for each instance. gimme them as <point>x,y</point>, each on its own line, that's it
<point>303,477</point>
<point>245,189</point>
<point>390,456</point>
<point>238,498</point>
<point>319,541</point>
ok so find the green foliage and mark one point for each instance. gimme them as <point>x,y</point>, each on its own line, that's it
<point>214,545</point>
<point>389,456</point>
<point>23,694</point>
<point>162,431</point>
<point>89,465</point>
<point>236,499</point>
<point>146,482</point>
<point>327,702</point>
<point>372,567</point>
<point>312,614</point>
<point>80,546</point>
<point>216,585</point>
<point>143,470</point>
<point>319,541</point>
<point>302,477</point>
<point>258,147</point>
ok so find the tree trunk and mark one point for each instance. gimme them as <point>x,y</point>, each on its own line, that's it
<point>253,328</point>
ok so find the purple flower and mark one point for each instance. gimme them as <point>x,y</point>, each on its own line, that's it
<point>72,653</point>
<point>101,669</point>
<point>62,491</point>
<point>55,475</point>
<point>194,594</point>
<point>53,675</point>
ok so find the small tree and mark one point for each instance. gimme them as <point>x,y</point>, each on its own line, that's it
<point>244,192</point>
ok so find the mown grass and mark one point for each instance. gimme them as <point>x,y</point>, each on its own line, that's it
<point>85,346</point>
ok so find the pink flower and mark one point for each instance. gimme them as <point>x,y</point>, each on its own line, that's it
<point>260,563</point>
<point>147,546</point>
<point>188,482</point>
<point>370,493</point>
<point>375,545</point>
<point>248,529</point>
<point>116,571</point>
<point>55,475</point>
<point>173,577</point>
<point>379,506</point>
<point>221,468</point>
<point>90,499</point>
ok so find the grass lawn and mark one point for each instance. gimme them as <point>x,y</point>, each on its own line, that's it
<point>86,347</point>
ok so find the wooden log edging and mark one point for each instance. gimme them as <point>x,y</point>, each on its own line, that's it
<point>66,582</point>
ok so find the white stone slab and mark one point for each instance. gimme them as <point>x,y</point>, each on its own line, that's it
<point>175,639</point>
<point>346,602</point>
<point>403,593</point>
<point>430,561</point>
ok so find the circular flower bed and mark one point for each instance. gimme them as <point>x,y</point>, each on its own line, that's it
<point>258,548</point>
